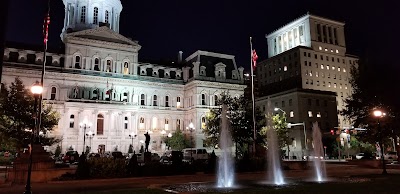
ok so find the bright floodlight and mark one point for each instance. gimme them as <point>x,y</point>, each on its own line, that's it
<point>378,113</point>
<point>191,126</point>
<point>132,135</point>
<point>90,133</point>
<point>276,109</point>
<point>169,134</point>
<point>37,88</point>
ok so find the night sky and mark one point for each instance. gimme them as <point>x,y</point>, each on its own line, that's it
<point>166,26</point>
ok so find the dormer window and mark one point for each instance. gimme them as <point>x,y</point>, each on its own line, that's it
<point>78,62</point>
<point>219,73</point>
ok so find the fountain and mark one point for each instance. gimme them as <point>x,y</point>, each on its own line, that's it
<point>225,161</point>
<point>274,160</point>
<point>319,166</point>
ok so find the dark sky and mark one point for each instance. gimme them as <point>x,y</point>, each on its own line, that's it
<point>166,26</point>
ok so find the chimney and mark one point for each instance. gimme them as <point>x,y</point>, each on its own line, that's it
<point>180,57</point>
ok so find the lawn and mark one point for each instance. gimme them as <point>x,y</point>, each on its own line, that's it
<point>365,185</point>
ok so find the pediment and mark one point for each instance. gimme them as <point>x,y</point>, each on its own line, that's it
<point>104,34</point>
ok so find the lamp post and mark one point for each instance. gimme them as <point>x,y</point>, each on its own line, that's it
<point>132,136</point>
<point>163,132</point>
<point>85,125</point>
<point>36,90</point>
<point>379,114</point>
<point>304,131</point>
<point>277,109</point>
<point>191,128</point>
<point>90,135</point>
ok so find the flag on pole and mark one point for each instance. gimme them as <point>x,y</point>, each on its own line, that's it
<point>46,28</point>
<point>254,57</point>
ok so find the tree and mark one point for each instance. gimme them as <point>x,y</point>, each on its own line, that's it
<point>177,141</point>
<point>365,98</point>
<point>17,116</point>
<point>279,124</point>
<point>240,117</point>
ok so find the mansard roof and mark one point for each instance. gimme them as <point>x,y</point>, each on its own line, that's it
<point>102,35</point>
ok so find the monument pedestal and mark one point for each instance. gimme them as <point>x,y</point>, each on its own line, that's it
<point>147,157</point>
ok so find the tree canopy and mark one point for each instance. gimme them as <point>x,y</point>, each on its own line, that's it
<point>177,141</point>
<point>17,116</point>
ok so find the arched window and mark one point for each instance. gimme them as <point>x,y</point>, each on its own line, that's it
<point>126,68</point>
<point>53,93</point>
<point>96,15</point>
<point>71,121</point>
<point>126,123</point>
<point>83,14</point>
<point>141,123</point>
<point>106,17</point>
<point>203,99</point>
<point>178,124</point>
<point>96,64</point>
<point>77,62</point>
<point>215,100</point>
<point>154,123</point>
<point>166,122</point>
<point>166,101</point>
<point>203,122</point>
<point>95,95</point>
<point>154,100</point>
<point>142,99</point>
<point>109,68</point>
<point>100,124</point>
<point>178,102</point>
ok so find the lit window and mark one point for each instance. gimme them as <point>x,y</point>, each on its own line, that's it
<point>291,114</point>
<point>95,15</point>
<point>338,69</point>
<point>333,67</point>
<point>178,102</point>
<point>331,50</point>
<point>320,48</point>
<point>166,122</point>
<point>340,86</point>
<point>344,70</point>
<point>326,49</point>
<point>327,67</point>
<point>310,114</point>
<point>285,68</point>
<point>154,123</point>
<point>345,86</point>
<point>100,124</point>
<point>203,123</point>
<point>126,68</point>
<point>322,66</point>
<point>141,123</point>
<point>329,84</point>
<point>178,124</point>
<point>337,51</point>
<point>316,74</point>
<point>318,114</point>
<point>311,73</point>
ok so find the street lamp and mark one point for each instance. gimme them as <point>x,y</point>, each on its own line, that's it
<point>379,114</point>
<point>85,125</point>
<point>191,128</point>
<point>132,136</point>
<point>36,90</point>
<point>90,135</point>
<point>163,132</point>
<point>304,131</point>
<point>277,109</point>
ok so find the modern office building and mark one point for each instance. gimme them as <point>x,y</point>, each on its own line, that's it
<point>98,80</point>
<point>308,53</point>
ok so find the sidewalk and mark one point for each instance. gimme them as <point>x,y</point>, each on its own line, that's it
<point>65,187</point>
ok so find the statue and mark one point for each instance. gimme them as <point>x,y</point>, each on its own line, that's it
<point>147,142</point>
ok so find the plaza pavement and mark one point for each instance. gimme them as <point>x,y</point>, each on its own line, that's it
<point>65,187</point>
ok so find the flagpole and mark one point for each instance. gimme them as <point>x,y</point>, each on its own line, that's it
<point>252,98</point>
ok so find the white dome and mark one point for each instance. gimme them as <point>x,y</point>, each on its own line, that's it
<point>88,14</point>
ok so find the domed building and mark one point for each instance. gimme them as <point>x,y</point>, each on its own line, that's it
<point>107,98</point>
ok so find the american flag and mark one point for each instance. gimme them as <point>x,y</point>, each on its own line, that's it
<point>255,57</point>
